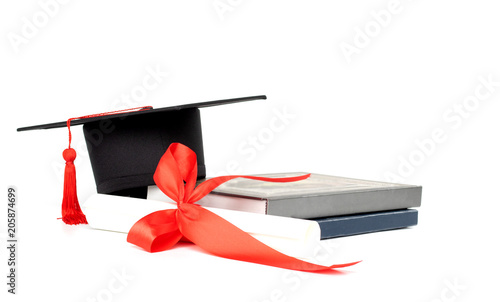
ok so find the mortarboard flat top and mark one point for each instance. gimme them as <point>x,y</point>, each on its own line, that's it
<point>125,148</point>
<point>123,115</point>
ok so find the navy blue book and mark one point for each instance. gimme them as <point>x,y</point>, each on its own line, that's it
<point>339,226</point>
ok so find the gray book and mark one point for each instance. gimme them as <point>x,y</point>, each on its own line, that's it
<point>317,196</point>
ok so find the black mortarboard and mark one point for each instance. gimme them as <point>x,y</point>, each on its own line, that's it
<point>125,147</point>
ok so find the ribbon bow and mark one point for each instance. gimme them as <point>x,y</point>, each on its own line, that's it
<point>176,177</point>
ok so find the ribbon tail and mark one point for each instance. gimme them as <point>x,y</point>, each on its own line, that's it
<point>210,184</point>
<point>221,238</point>
<point>156,232</point>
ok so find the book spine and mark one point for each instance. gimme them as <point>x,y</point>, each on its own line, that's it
<point>337,204</point>
<point>366,223</point>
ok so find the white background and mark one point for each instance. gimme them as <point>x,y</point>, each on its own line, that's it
<point>357,116</point>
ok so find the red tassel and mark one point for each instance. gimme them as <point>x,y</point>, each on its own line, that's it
<point>71,212</point>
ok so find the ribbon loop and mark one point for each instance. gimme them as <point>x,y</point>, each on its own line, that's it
<point>156,232</point>
<point>177,165</point>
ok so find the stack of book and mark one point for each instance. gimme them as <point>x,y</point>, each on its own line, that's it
<point>341,206</point>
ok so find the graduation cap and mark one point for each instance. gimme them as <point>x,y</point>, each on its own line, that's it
<point>125,147</point>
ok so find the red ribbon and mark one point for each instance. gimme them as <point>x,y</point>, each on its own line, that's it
<point>176,177</point>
